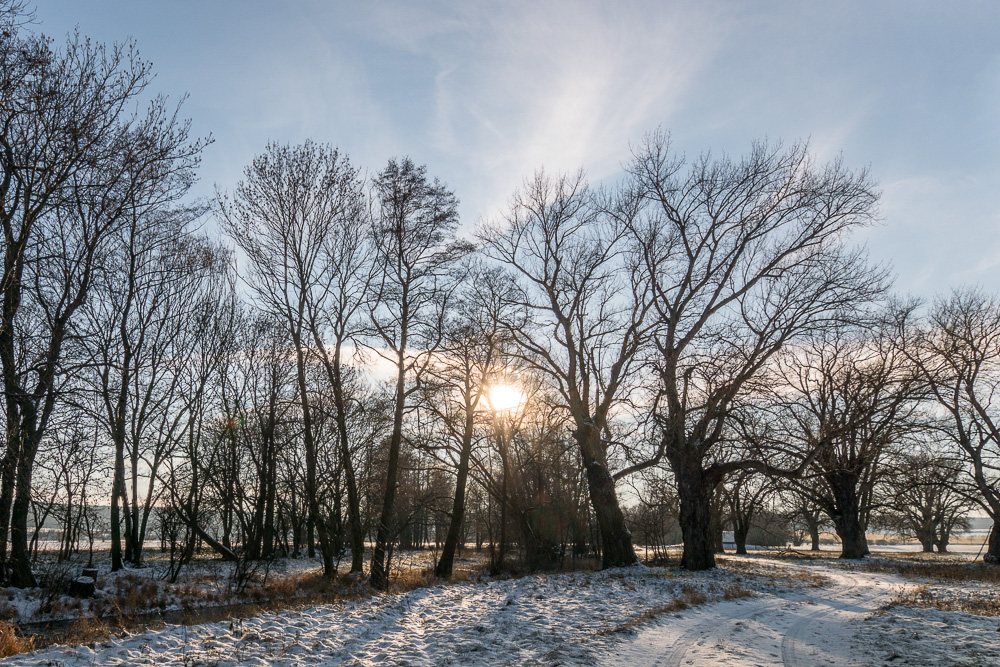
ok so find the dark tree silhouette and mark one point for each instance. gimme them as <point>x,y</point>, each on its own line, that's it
<point>746,256</point>
<point>75,159</point>
<point>415,257</point>
<point>959,354</point>
<point>583,303</point>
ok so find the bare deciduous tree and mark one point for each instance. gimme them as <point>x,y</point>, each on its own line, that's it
<point>74,159</point>
<point>746,256</point>
<point>927,499</point>
<point>415,256</point>
<point>847,402</point>
<point>292,216</point>
<point>457,388</point>
<point>583,299</point>
<point>959,355</point>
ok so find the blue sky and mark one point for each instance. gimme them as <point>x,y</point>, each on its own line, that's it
<point>486,92</point>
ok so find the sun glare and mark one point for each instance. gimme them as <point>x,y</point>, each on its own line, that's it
<point>505,397</point>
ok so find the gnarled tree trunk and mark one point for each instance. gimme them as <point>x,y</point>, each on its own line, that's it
<point>616,539</point>
<point>695,494</point>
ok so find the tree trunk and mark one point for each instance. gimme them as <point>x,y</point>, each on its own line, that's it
<point>814,535</point>
<point>447,562</point>
<point>926,533</point>
<point>854,544</point>
<point>740,531</point>
<point>616,539</point>
<point>356,526</point>
<point>317,522</point>
<point>715,525</point>
<point>267,541</point>
<point>7,477</point>
<point>133,548</point>
<point>941,540</point>
<point>695,495</point>
<point>379,567</point>
<point>992,554</point>
<point>847,521</point>
<point>117,492</point>
<point>20,559</point>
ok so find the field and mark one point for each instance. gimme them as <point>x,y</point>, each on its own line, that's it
<point>779,607</point>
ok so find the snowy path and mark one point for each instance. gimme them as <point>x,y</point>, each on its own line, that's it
<point>797,628</point>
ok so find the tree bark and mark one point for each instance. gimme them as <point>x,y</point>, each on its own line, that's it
<point>992,554</point>
<point>695,495</point>
<point>379,569</point>
<point>616,539</point>
<point>447,562</point>
<point>740,531</point>
<point>847,520</point>
<point>814,536</point>
<point>20,559</point>
<point>715,525</point>
<point>356,526</point>
<point>8,473</point>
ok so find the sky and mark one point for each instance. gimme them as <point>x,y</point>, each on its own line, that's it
<point>484,93</point>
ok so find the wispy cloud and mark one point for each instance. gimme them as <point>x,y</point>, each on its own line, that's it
<point>523,85</point>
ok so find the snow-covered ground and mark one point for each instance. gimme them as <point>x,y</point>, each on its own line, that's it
<point>555,619</point>
<point>851,621</point>
<point>757,611</point>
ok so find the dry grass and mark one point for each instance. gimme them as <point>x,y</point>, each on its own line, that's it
<point>941,570</point>
<point>776,574</point>
<point>735,592</point>
<point>409,580</point>
<point>88,631</point>
<point>12,641</point>
<point>980,603</point>
<point>689,597</point>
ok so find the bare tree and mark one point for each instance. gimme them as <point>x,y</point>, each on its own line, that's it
<point>927,499</point>
<point>74,159</point>
<point>469,362</point>
<point>746,256</point>
<point>583,300</point>
<point>143,315</point>
<point>415,255</point>
<point>292,216</point>
<point>959,354</point>
<point>183,474</point>
<point>804,515</point>
<point>848,401</point>
<point>747,495</point>
<point>256,396</point>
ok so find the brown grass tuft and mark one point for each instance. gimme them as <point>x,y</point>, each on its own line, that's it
<point>408,580</point>
<point>84,630</point>
<point>983,604</point>
<point>942,570</point>
<point>735,592</point>
<point>12,641</point>
<point>689,597</point>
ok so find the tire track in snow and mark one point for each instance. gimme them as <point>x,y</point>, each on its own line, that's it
<point>710,626</point>
<point>781,627</point>
<point>792,643</point>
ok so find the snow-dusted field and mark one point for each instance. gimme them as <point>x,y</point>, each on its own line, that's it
<point>758,611</point>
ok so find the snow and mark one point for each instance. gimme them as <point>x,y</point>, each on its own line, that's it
<point>565,618</point>
<point>777,612</point>
<point>908,636</point>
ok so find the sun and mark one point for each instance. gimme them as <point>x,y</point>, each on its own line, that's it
<point>505,397</point>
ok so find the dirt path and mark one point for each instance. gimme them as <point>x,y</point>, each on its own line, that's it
<point>794,629</point>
